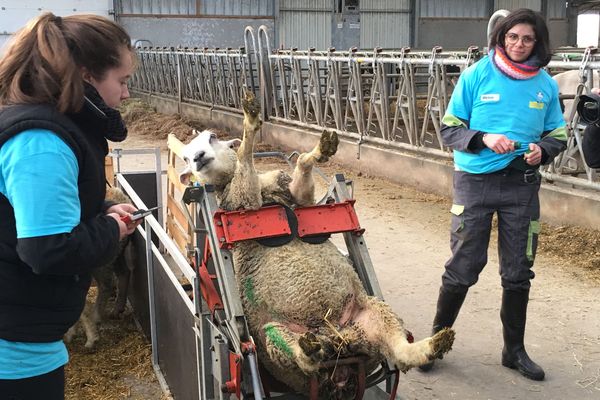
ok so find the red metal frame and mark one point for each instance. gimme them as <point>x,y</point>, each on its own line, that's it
<point>235,226</point>
<point>272,221</point>
<point>361,386</point>
<point>327,219</point>
<point>358,362</point>
<point>207,286</point>
<point>234,384</point>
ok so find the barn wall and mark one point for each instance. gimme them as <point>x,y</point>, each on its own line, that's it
<point>14,14</point>
<point>304,24</point>
<point>434,32</point>
<point>191,32</point>
<point>385,23</point>
<point>456,24</point>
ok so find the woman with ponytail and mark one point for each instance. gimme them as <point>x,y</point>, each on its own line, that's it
<point>60,81</point>
<point>503,121</point>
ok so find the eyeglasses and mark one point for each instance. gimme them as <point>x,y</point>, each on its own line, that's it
<point>513,38</point>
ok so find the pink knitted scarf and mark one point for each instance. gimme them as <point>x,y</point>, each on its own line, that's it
<point>515,70</point>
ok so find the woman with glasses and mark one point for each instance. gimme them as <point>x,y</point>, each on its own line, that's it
<point>503,121</point>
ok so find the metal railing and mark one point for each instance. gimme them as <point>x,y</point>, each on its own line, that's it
<point>210,77</point>
<point>394,98</point>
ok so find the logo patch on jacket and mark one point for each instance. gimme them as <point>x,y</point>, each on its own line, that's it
<point>538,105</point>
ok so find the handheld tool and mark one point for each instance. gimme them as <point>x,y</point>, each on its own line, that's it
<point>517,145</point>
<point>139,214</point>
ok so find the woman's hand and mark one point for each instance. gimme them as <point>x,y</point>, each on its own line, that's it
<point>534,155</point>
<point>498,143</point>
<point>120,210</point>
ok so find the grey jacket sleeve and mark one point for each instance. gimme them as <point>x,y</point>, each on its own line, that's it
<point>457,135</point>
<point>552,144</point>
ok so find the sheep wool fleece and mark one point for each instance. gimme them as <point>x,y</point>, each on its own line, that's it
<point>54,300</point>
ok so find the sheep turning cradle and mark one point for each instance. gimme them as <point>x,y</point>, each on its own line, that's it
<point>304,303</point>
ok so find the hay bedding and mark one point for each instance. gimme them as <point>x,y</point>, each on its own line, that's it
<point>575,249</point>
<point>119,368</point>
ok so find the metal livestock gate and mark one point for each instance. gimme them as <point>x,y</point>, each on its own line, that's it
<point>392,98</point>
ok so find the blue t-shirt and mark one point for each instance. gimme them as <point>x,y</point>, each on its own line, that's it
<point>38,176</point>
<point>20,360</point>
<point>491,102</point>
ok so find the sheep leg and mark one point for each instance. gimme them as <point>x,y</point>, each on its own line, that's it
<point>123,265</point>
<point>381,325</point>
<point>291,349</point>
<point>91,330</point>
<point>104,280</point>
<point>89,327</point>
<point>122,287</point>
<point>302,186</point>
<point>244,189</point>
<point>68,338</point>
<point>252,124</point>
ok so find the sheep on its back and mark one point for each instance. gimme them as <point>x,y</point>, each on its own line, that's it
<point>304,302</point>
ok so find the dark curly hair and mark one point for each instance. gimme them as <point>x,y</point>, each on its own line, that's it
<point>529,17</point>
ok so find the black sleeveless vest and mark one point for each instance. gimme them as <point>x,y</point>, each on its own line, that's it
<point>42,307</point>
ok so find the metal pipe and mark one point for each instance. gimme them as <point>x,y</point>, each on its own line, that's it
<point>499,14</point>
<point>151,295</point>
<point>256,386</point>
<point>159,199</point>
<point>569,180</point>
<point>368,139</point>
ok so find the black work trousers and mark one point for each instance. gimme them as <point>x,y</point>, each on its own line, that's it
<point>476,198</point>
<point>50,386</point>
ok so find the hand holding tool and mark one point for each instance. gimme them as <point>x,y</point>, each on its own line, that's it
<point>137,215</point>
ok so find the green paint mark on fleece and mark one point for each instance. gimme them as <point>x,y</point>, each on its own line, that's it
<point>278,341</point>
<point>249,290</point>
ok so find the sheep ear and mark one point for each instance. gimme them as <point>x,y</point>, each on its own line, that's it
<point>195,132</point>
<point>185,176</point>
<point>233,143</point>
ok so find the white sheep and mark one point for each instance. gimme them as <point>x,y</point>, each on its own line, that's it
<point>304,302</point>
<point>120,268</point>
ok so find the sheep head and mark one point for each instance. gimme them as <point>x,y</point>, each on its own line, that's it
<point>208,159</point>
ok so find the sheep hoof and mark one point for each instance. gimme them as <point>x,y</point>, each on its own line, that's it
<point>90,346</point>
<point>328,145</point>
<point>402,367</point>
<point>441,343</point>
<point>68,337</point>
<point>250,105</point>
<point>309,344</point>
